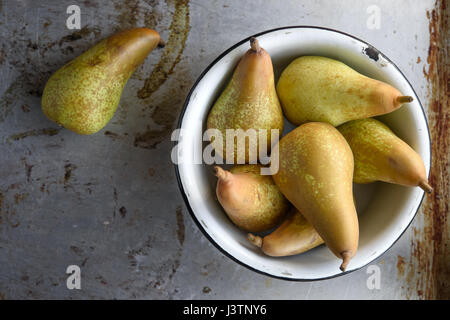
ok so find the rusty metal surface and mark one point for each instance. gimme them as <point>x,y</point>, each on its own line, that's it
<point>110,204</point>
<point>429,261</point>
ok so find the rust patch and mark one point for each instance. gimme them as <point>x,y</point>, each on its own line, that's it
<point>34,133</point>
<point>18,197</point>
<point>162,115</point>
<point>27,83</point>
<point>131,11</point>
<point>90,4</point>
<point>418,60</point>
<point>45,187</point>
<point>7,99</point>
<point>115,136</point>
<point>175,266</point>
<point>78,251</point>
<point>79,34</point>
<point>429,265</point>
<point>141,251</point>
<point>128,15</point>
<point>8,215</point>
<point>83,263</point>
<point>25,108</point>
<point>28,169</point>
<point>173,50</point>
<point>206,290</point>
<point>101,280</point>
<point>2,55</point>
<point>162,273</point>
<point>207,268</point>
<point>116,201</point>
<point>14,186</point>
<point>68,169</point>
<point>180,226</point>
<point>112,135</point>
<point>123,212</point>
<point>6,212</point>
<point>74,36</point>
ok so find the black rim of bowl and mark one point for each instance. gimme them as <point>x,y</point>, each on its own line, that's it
<point>180,185</point>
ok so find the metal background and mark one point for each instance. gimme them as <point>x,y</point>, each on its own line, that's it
<point>110,203</point>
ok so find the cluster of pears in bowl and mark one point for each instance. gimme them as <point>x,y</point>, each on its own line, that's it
<point>336,142</point>
<point>333,142</point>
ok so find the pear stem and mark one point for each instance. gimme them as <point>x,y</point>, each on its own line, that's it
<point>346,257</point>
<point>255,240</point>
<point>254,44</point>
<point>404,99</point>
<point>425,186</point>
<point>161,43</point>
<point>220,173</point>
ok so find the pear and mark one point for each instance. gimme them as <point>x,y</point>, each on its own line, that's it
<point>252,201</point>
<point>249,101</point>
<point>294,236</point>
<point>313,88</point>
<point>83,95</point>
<point>380,155</point>
<point>315,174</point>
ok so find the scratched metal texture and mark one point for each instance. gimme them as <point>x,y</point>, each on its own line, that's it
<point>110,203</point>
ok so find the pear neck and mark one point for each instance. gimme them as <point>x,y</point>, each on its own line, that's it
<point>222,174</point>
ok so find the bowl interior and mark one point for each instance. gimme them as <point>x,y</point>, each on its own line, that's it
<point>384,210</point>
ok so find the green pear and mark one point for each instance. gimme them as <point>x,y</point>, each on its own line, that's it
<point>315,174</point>
<point>313,88</point>
<point>249,101</point>
<point>83,95</point>
<point>382,156</point>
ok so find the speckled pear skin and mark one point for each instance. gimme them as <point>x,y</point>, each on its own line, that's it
<point>294,236</point>
<point>252,201</point>
<point>382,156</point>
<point>315,174</point>
<point>313,88</point>
<point>249,101</point>
<point>83,95</point>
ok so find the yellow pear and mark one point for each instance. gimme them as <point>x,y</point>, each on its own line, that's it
<point>252,201</point>
<point>315,174</point>
<point>249,101</point>
<point>380,155</point>
<point>295,235</point>
<point>313,88</point>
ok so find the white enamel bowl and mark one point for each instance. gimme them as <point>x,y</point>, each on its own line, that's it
<point>385,210</point>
